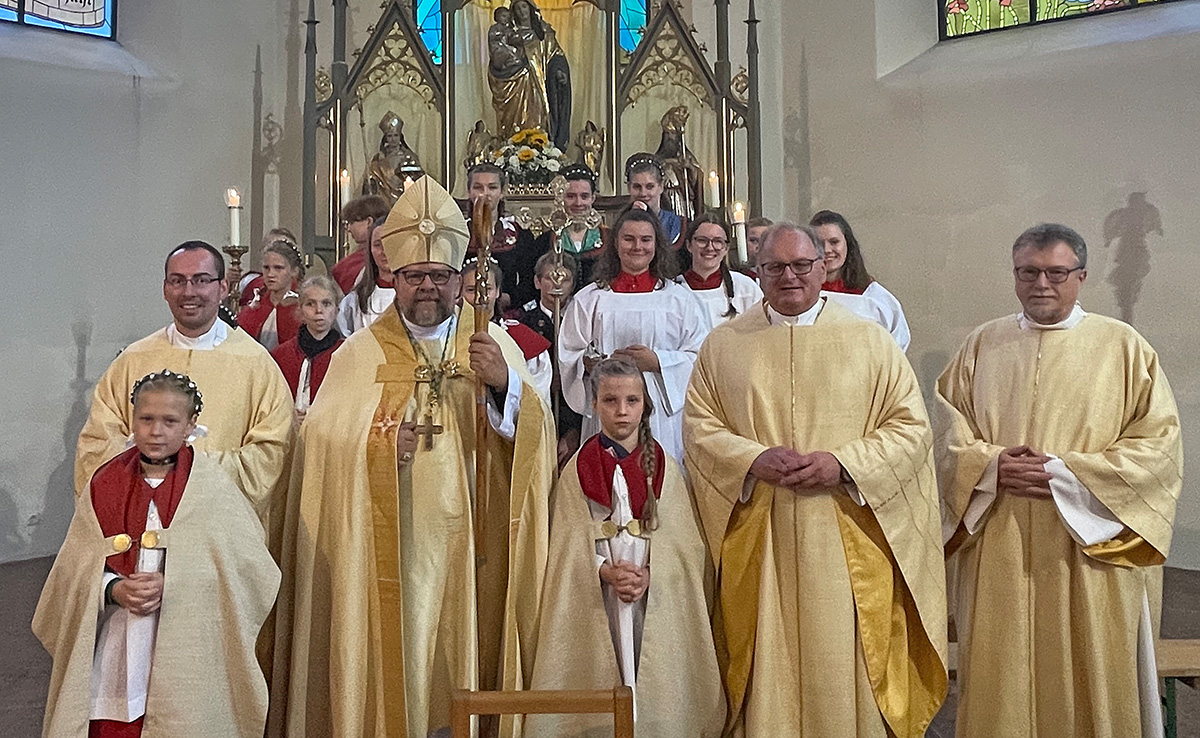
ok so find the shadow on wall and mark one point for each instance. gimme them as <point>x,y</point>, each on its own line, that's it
<point>1128,227</point>
<point>932,364</point>
<point>51,526</point>
<point>797,156</point>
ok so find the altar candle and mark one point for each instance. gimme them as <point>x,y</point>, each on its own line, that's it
<point>344,186</point>
<point>739,231</point>
<point>714,189</point>
<point>233,200</point>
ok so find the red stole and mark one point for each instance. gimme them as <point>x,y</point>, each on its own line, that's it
<point>287,318</point>
<point>596,466</point>
<point>290,359</point>
<point>626,282</point>
<point>698,283</point>
<point>254,288</point>
<point>528,340</point>
<point>346,271</point>
<point>121,498</point>
<point>838,285</point>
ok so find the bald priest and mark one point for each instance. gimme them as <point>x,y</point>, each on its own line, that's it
<point>386,607</point>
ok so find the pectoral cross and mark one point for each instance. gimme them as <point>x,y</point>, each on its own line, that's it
<point>427,430</point>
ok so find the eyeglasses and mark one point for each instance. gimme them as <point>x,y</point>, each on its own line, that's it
<point>702,242</point>
<point>177,281</point>
<point>1054,275</point>
<point>416,277</point>
<point>799,267</point>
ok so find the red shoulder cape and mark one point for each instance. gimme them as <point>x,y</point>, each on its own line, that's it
<point>530,341</point>
<point>596,467</point>
<point>290,359</point>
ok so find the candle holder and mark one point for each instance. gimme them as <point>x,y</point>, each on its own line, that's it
<point>235,265</point>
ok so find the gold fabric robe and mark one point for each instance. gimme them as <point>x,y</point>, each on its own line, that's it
<point>831,617</point>
<point>383,611</point>
<point>247,410</point>
<point>678,682</point>
<point>218,586</point>
<point>1048,628</point>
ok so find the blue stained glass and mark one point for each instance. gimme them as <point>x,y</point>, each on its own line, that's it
<point>7,15</point>
<point>429,25</point>
<point>633,23</point>
<point>92,17</point>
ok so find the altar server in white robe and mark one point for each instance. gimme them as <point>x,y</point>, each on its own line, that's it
<point>373,293</point>
<point>725,293</point>
<point>846,274</point>
<point>1059,464</point>
<point>636,311</point>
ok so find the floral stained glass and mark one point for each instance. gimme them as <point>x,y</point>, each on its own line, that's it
<point>967,17</point>
<point>92,17</point>
<point>429,25</point>
<point>633,20</point>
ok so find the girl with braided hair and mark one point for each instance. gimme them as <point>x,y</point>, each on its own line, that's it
<point>622,511</point>
<point>164,571</point>
<point>726,293</point>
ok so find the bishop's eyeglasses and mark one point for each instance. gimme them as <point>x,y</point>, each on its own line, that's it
<point>775,269</point>
<point>1054,275</point>
<point>416,277</point>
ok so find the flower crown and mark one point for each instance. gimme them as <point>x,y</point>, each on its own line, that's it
<point>574,170</point>
<point>182,382</point>
<point>291,245</point>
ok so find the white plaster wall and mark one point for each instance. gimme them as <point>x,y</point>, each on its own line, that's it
<point>111,154</point>
<point>940,162</point>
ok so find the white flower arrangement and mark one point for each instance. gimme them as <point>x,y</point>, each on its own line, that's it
<point>529,157</point>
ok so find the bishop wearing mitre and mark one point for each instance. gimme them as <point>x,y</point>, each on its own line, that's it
<point>387,605</point>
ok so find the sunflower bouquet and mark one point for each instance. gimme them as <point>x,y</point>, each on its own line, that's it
<point>529,158</point>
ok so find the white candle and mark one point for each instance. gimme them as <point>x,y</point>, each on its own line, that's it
<point>233,200</point>
<point>714,190</point>
<point>739,231</point>
<point>344,186</point>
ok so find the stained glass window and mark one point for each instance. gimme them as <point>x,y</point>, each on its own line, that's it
<point>429,25</point>
<point>93,17</point>
<point>633,23</point>
<point>968,17</point>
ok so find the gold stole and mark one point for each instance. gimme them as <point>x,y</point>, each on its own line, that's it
<point>398,378</point>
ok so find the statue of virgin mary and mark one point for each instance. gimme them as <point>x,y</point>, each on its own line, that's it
<point>530,89</point>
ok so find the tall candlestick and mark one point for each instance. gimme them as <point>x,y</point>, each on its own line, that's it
<point>344,186</point>
<point>233,200</point>
<point>739,231</point>
<point>714,190</point>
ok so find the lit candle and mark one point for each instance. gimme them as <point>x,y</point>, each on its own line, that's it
<point>344,186</point>
<point>714,189</point>
<point>739,231</point>
<point>233,200</point>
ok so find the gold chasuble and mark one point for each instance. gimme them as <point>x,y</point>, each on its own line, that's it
<point>218,586</point>
<point>247,410</point>
<point>383,611</point>
<point>1048,627</point>
<point>678,688</point>
<point>831,616</point>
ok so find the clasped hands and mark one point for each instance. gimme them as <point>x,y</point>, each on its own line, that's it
<point>1021,472</point>
<point>140,593</point>
<point>628,581</point>
<point>785,467</point>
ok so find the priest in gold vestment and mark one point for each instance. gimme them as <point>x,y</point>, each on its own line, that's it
<point>386,605</point>
<point>1060,464</point>
<point>810,456</point>
<point>247,422</point>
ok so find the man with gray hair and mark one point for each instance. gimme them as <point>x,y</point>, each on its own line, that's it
<point>810,456</point>
<point>1059,463</point>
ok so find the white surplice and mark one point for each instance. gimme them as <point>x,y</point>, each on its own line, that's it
<point>669,320</point>
<point>350,318</point>
<point>125,644</point>
<point>746,295</point>
<point>624,618</point>
<point>877,305</point>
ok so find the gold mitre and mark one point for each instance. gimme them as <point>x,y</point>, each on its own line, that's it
<point>425,225</point>
<point>390,123</point>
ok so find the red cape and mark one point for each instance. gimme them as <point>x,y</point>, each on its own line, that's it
<point>121,498</point>
<point>596,467</point>
<point>287,319</point>
<point>346,271</point>
<point>290,359</point>
<point>528,340</point>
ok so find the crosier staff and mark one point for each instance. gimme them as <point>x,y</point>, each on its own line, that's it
<point>481,227</point>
